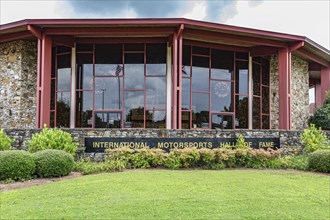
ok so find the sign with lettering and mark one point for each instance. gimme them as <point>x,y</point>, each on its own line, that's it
<point>98,145</point>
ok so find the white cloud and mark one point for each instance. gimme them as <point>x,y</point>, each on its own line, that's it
<point>306,18</point>
<point>198,11</point>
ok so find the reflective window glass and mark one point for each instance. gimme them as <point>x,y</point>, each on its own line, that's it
<point>185,120</point>
<point>134,109</point>
<point>108,59</point>
<point>185,93</point>
<point>220,121</point>
<point>63,109</point>
<point>221,96</point>
<point>108,120</point>
<point>200,107</point>
<point>155,119</point>
<point>256,78</point>
<point>265,72</point>
<point>156,92</point>
<point>84,70</point>
<point>186,52</point>
<point>64,79</point>
<point>84,109</point>
<point>156,59</point>
<point>200,79</point>
<point>265,100</point>
<point>222,64</point>
<point>108,93</point>
<point>265,122</point>
<point>242,77</point>
<point>241,120</point>
<point>256,113</point>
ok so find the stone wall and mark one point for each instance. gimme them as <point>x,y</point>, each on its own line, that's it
<point>18,84</point>
<point>274,105</point>
<point>299,93</point>
<point>289,140</point>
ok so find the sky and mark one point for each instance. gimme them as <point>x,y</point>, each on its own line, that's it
<point>310,18</point>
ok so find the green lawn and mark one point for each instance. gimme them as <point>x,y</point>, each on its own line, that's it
<point>166,194</point>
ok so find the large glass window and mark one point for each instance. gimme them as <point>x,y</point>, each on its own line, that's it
<point>121,85</point>
<point>60,87</point>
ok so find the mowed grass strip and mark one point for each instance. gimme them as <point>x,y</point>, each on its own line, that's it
<point>167,194</point>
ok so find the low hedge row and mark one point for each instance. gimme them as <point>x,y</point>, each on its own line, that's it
<point>21,165</point>
<point>319,161</point>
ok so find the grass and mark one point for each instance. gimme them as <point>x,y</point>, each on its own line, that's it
<point>166,194</point>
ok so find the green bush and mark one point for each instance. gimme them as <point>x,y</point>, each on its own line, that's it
<point>319,161</point>
<point>88,167</point>
<point>16,165</point>
<point>5,141</point>
<point>321,117</point>
<point>52,138</point>
<point>53,163</point>
<point>314,139</point>
<point>137,158</point>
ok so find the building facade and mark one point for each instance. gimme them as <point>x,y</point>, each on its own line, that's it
<point>156,73</point>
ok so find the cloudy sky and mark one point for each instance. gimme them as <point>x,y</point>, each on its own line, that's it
<point>308,18</point>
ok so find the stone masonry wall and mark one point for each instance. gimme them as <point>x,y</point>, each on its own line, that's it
<point>299,93</point>
<point>274,92</point>
<point>18,84</point>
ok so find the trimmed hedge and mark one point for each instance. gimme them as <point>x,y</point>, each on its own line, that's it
<point>53,163</point>
<point>319,161</point>
<point>16,165</point>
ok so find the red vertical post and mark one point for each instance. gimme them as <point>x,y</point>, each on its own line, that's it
<point>180,82</point>
<point>284,72</point>
<point>318,98</point>
<point>45,79</point>
<point>325,82</point>
<point>174,81</point>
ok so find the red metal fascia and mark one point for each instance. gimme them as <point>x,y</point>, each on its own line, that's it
<point>15,36</point>
<point>296,46</point>
<point>179,86</point>
<point>35,31</point>
<point>216,36</point>
<point>308,55</point>
<point>180,30</point>
<point>263,51</point>
<point>90,31</point>
<point>105,40</point>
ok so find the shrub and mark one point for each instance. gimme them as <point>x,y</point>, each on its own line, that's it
<point>53,163</point>
<point>88,167</point>
<point>50,138</point>
<point>319,161</point>
<point>5,141</point>
<point>16,165</point>
<point>321,117</point>
<point>314,139</point>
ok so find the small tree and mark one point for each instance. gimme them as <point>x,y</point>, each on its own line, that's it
<point>314,139</point>
<point>321,117</point>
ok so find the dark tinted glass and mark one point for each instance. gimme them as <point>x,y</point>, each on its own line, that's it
<point>241,112</point>
<point>201,50</point>
<point>63,49</point>
<point>108,59</point>
<point>186,60</point>
<point>64,61</point>
<point>185,120</point>
<point>241,55</point>
<point>256,113</point>
<point>63,109</point>
<point>84,109</point>
<point>256,78</point>
<point>265,71</point>
<point>265,122</point>
<point>155,119</point>
<point>134,47</point>
<point>84,70</point>
<point>222,65</point>
<point>84,47</point>
<point>265,100</point>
